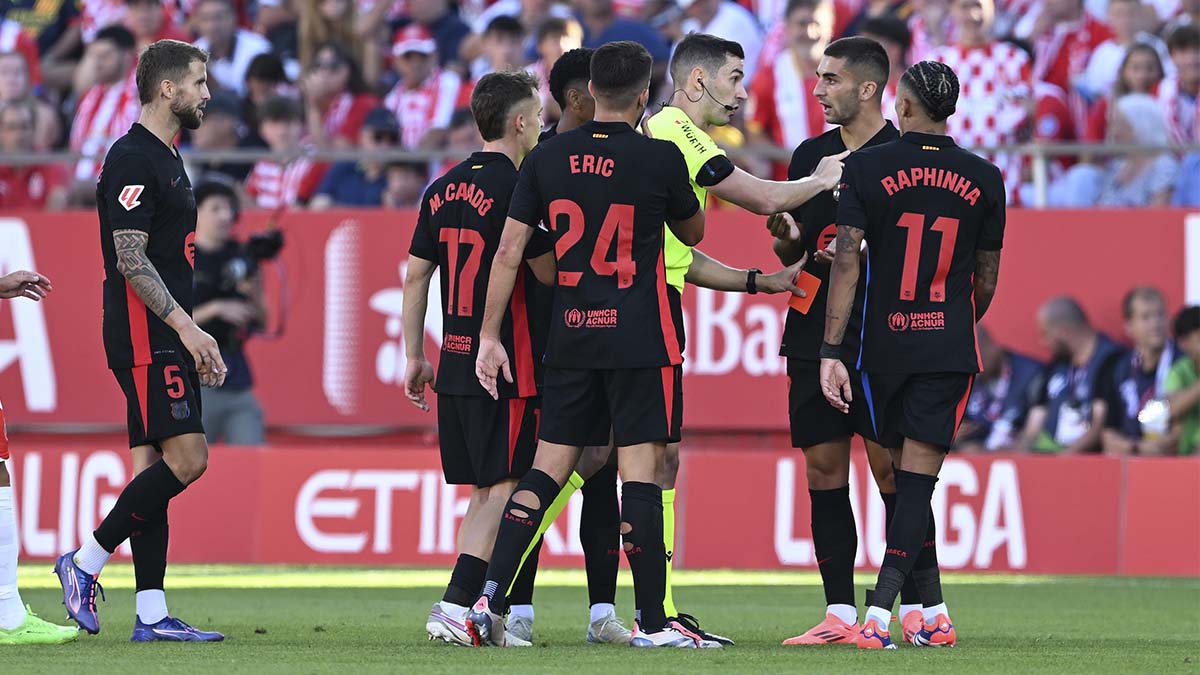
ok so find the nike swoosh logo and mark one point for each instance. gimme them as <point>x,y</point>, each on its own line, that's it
<point>138,518</point>
<point>176,181</point>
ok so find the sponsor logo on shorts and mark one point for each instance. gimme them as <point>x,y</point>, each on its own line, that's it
<point>901,321</point>
<point>592,318</point>
<point>180,410</point>
<point>457,344</point>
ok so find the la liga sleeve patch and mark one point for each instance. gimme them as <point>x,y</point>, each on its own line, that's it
<point>129,196</point>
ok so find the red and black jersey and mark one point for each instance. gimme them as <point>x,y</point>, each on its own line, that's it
<point>459,227</point>
<point>804,333</point>
<point>143,186</point>
<point>606,191</point>
<point>927,206</point>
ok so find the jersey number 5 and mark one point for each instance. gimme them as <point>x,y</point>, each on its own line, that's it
<point>915,224</point>
<point>618,221</point>
<point>462,282</point>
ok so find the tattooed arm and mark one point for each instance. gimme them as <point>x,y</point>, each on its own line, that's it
<point>145,280</point>
<point>843,278</point>
<point>987,273</point>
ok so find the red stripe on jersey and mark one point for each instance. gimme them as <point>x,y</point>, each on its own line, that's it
<point>670,338</point>
<point>139,331</point>
<point>961,409</point>
<point>516,415</point>
<point>141,382</point>
<point>975,326</point>
<point>3,436</point>
<point>668,382</point>
<point>522,343</point>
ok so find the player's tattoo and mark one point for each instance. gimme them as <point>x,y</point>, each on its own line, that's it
<point>843,280</point>
<point>140,272</point>
<point>987,273</point>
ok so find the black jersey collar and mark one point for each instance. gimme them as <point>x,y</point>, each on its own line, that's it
<point>140,130</point>
<point>936,140</point>
<point>886,133</point>
<point>481,156</point>
<point>608,127</point>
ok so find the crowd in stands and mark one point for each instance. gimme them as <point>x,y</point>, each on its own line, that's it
<point>292,75</point>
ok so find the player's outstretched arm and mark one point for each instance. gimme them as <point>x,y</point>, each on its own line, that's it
<point>987,274</point>
<point>145,280</point>
<point>22,284</point>
<point>707,272</point>
<point>843,279</point>
<point>418,372</point>
<point>766,197</point>
<point>492,358</point>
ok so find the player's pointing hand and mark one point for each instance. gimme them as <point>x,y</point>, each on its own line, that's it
<point>491,359</point>
<point>829,170</point>
<point>835,384</point>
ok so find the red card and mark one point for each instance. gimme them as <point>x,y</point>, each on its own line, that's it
<point>808,283</point>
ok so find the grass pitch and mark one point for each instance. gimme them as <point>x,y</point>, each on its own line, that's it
<point>318,620</point>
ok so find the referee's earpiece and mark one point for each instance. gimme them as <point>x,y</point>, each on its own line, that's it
<point>728,108</point>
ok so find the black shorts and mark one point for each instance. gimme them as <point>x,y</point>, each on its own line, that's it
<point>639,405</point>
<point>162,400</point>
<point>813,421</point>
<point>484,441</point>
<point>926,407</point>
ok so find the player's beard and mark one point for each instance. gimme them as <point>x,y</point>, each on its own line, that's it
<point>189,117</point>
<point>842,113</point>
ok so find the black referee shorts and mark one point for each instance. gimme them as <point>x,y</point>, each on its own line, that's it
<point>484,441</point>
<point>926,407</point>
<point>162,401</point>
<point>639,405</point>
<point>812,420</point>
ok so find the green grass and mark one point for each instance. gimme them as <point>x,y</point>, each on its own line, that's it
<point>318,620</point>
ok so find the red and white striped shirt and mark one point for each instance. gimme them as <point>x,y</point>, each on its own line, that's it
<point>428,106</point>
<point>1061,54</point>
<point>344,117</point>
<point>272,185</point>
<point>104,114</point>
<point>13,38</point>
<point>782,105</point>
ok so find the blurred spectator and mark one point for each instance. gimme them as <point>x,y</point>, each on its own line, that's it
<point>149,22</point>
<point>361,183</point>
<point>529,12</point>
<point>601,24</point>
<point>443,24</point>
<point>503,47</point>
<point>1183,382</point>
<point>406,182</point>
<point>107,106</point>
<point>339,22</point>
<point>994,86</point>
<point>1187,189</point>
<point>1001,397</point>
<point>16,87</point>
<point>895,37</point>
<point>276,20</point>
<point>39,187</point>
<point>223,129</point>
<point>782,110</point>
<point>931,27</point>
<point>729,20</point>
<point>13,39</point>
<point>1140,72</point>
<point>1179,94</point>
<point>1134,180</point>
<point>336,99</point>
<point>1064,37</point>
<point>273,184</point>
<point>555,37</point>
<point>230,307</point>
<point>1124,17</point>
<point>1070,410</point>
<point>265,79</point>
<point>426,96</point>
<point>462,139</point>
<point>55,26</point>
<point>1137,382</point>
<point>230,48</point>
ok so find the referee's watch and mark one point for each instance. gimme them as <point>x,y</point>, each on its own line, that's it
<point>751,280</point>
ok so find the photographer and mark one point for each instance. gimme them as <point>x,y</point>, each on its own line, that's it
<point>230,307</point>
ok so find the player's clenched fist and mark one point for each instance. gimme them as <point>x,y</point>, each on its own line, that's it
<point>829,170</point>
<point>491,359</point>
<point>417,374</point>
<point>835,384</point>
<point>783,226</point>
<point>207,355</point>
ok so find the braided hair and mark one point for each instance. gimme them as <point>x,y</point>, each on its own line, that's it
<point>935,85</point>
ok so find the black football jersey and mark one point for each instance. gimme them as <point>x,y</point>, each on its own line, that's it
<point>605,192</point>
<point>927,206</point>
<point>143,186</point>
<point>804,333</point>
<point>461,219</point>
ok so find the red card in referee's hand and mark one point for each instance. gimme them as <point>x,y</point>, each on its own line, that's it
<point>808,283</point>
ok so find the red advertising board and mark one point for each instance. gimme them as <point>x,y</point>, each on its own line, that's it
<point>340,358</point>
<point>389,506</point>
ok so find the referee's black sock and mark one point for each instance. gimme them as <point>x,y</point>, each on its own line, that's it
<point>521,592</point>
<point>518,527</point>
<point>905,536</point>
<point>600,535</point>
<point>908,592</point>
<point>465,580</point>
<point>835,541</point>
<point>149,544</point>
<point>642,530</point>
<point>141,500</point>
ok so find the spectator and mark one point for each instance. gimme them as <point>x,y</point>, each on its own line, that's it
<point>601,24</point>
<point>1124,17</point>
<point>223,129</point>
<point>995,85</point>
<point>555,37</point>
<point>265,79</point>
<point>425,97</point>
<point>1001,397</point>
<point>444,25</point>
<point>503,47</point>
<point>230,307</point>
<point>1179,95</point>
<point>230,48</point>
<point>1141,72</point>
<point>55,26</point>
<point>149,22</point>
<point>339,22</point>
<point>1137,383</point>
<point>895,37</point>
<point>38,187</point>
<point>273,183</point>
<point>463,137</point>
<point>361,183</point>
<point>16,87</point>
<point>1187,189</point>
<point>276,20</point>
<point>782,111</point>
<point>1064,37</point>
<point>107,106</point>
<point>1070,410</point>
<point>528,12</point>
<point>931,27</point>
<point>406,182</point>
<point>1130,180</point>
<point>728,20</point>
<point>13,39</point>
<point>336,98</point>
<point>1183,382</point>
